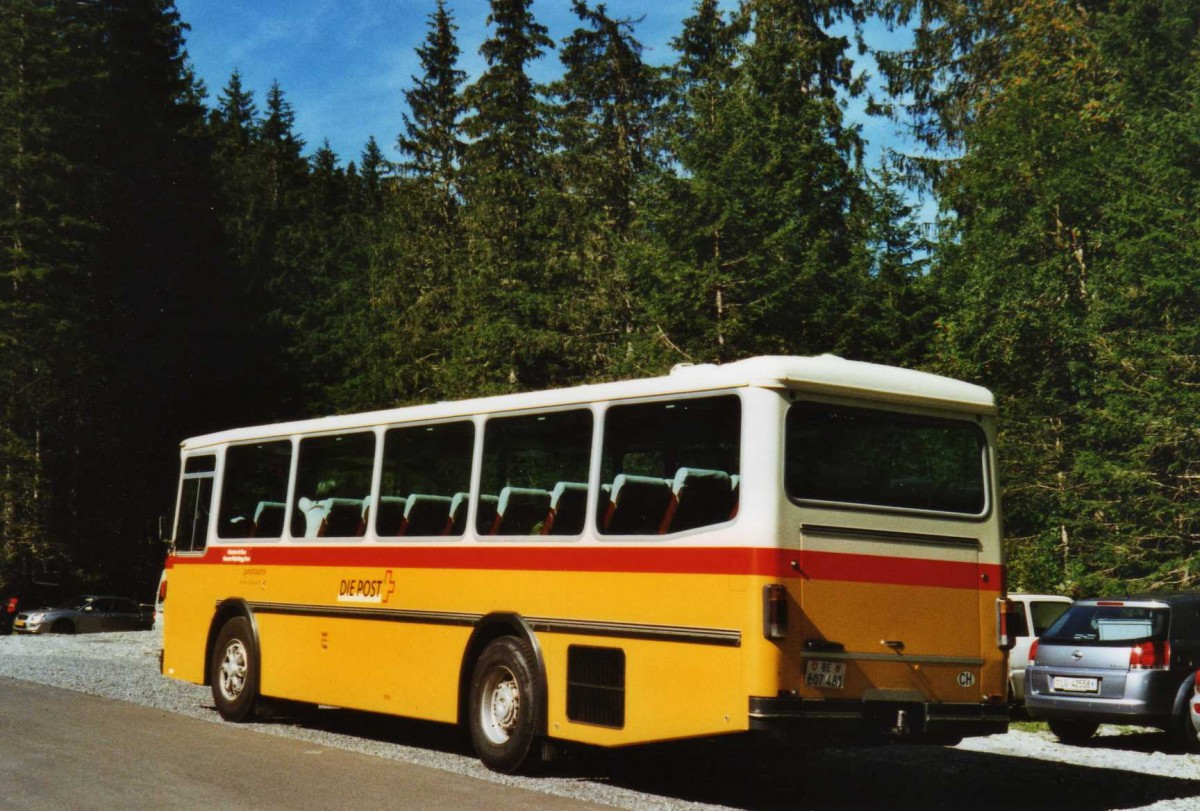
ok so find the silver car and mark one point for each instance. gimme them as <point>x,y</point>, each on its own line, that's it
<point>87,614</point>
<point>1129,660</point>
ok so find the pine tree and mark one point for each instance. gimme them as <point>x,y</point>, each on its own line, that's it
<point>104,220</point>
<point>1064,272</point>
<point>606,130</point>
<point>503,337</point>
<point>415,264</point>
<point>432,137</point>
<point>893,319</point>
<point>762,237</point>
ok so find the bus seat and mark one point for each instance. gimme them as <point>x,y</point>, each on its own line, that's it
<point>735,485</point>
<point>486,513</point>
<point>343,518</point>
<point>699,498</point>
<point>568,508</point>
<point>390,515</point>
<point>365,517</point>
<point>458,514</point>
<point>425,515</point>
<point>237,527</point>
<point>637,505</point>
<point>268,519</point>
<point>519,510</point>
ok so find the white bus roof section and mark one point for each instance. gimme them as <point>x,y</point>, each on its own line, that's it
<point>824,374</point>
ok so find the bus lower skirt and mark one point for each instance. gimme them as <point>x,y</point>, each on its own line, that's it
<point>849,722</point>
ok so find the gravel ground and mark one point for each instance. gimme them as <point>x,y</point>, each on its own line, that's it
<point>1027,768</point>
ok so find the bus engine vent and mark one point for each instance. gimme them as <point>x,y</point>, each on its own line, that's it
<point>596,686</point>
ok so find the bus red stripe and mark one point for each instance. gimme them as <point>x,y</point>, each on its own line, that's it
<point>765,562</point>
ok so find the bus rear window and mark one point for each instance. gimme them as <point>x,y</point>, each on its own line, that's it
<point>884,459</point>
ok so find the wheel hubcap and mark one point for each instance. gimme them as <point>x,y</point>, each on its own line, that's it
<point>233,670</point>
<point>501,705</point>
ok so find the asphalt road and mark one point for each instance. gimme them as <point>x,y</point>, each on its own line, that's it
<point>62,749</point>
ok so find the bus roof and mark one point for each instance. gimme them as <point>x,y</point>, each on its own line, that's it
<point>825,374</point>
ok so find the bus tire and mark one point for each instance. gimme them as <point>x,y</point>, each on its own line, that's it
<point>234,674</point>
<point>503,708</point>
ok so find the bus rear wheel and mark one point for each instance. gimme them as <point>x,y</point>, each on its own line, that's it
<point>234,673</point>
<point>504,701</point>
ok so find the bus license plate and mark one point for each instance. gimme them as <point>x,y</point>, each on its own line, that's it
<point>18,623</point>
<point>829,675</point>
<point>1065,684</point>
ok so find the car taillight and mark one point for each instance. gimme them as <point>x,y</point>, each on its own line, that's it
<point>1150,656</point>
<point>1033,646</point>
<point>12,605</point>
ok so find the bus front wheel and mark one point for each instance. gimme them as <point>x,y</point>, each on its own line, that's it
<point>234,673</point>
<point>505,697</point>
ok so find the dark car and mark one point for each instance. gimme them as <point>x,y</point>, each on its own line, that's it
<point>87,614</point>
<point>21,595</point>
<point>1127,660</point>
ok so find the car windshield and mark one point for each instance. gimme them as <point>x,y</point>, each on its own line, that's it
<point>1115,624</point>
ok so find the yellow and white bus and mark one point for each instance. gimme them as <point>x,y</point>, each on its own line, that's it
<point>800,543</point>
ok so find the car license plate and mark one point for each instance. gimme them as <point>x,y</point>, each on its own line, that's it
<point>828,675</point>
<point>1066,684</point>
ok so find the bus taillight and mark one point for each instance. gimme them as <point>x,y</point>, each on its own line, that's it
<point>1005,621</point>
<point>775,611</point>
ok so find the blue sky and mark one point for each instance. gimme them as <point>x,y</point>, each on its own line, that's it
<point>344,64</point>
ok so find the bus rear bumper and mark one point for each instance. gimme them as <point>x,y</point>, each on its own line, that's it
<point>847,722</point>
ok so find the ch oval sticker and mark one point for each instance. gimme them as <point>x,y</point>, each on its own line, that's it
<point>966,679</point>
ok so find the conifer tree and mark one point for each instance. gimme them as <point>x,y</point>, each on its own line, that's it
<point>432,137</point>
<point>415,267</point>
<point>504,338</point>
<point>606,129</point>
<point>1064,270</point>
<point>760,217</point>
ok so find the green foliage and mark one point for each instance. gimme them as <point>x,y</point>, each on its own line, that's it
<point>1066,274</point>
<point>171,265</point>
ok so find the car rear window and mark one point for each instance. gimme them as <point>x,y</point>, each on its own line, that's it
<point>1109,625</point>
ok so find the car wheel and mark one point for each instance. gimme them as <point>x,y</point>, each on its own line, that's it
<point>1072,731</point>
<point>62,627</point>
<point>1185,733</point>
<point>504,705</point>
<point>234,673</point>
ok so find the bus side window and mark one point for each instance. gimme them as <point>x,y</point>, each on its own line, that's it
<point>195,503</point>
<point>253,490</point>
<point>333,486</point>
<point>426,477</point>
<point>535,472</point>
<point>670,466</point>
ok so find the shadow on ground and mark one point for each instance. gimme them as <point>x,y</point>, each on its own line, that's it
<point>753,773</point>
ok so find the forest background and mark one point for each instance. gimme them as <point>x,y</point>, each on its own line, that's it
<point>174,262</point>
